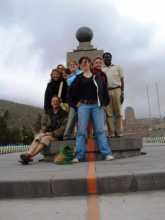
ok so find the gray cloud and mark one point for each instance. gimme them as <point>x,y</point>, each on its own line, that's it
<point>52,25</point>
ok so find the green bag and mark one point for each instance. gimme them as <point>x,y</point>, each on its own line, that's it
<point>65,156</point>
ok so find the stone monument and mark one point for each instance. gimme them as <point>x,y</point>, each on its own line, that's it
<point>121,147</point>
<point>84,36</point>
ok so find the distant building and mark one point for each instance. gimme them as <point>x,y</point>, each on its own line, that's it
<point>129,115</point>
<point>143,126</point>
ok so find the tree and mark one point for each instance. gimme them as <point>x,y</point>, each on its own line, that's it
<point>27,135</point>
<point>14,136</point>
<point>37,124</point>
<point>3,128</point>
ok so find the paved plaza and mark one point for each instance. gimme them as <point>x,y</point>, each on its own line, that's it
<point>21,185</point>
<point>129,206</point>
<point>41,179</point>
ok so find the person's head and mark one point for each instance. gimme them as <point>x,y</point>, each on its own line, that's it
<point>107,57</point>
<point>60,68</point>
<point>55,102</point>
<point>65,74</point>
<point>85,64</point>
<point>97,63</point>
<point>73,66</point>
<point>55,75</point>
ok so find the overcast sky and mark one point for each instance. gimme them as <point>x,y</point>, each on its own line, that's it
<point>36,35</point>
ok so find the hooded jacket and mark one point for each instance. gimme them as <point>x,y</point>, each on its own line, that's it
<point>76,89</point>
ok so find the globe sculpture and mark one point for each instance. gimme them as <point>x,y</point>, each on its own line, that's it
<point>84,34</point>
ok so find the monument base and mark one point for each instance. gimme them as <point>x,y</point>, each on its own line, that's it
<point>121,147</point>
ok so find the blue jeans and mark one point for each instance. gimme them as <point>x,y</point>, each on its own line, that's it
<point>97,114</point>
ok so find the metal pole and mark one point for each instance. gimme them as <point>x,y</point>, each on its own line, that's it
<point>158,100</point>
<point>149,106</point>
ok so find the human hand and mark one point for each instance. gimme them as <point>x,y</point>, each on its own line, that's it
<point>122,97</point>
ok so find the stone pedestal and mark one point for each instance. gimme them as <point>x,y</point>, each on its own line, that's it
<point>121,148</point>
<point>84,36</point>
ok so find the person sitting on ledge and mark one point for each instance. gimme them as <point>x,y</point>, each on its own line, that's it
<point>53,126</point>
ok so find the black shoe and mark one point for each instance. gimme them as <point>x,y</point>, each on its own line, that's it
<point>25,159</point>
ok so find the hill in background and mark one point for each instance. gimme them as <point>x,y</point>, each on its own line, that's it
<point>20,114</point>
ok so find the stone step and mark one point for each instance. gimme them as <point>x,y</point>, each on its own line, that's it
<point>41,179</point>
<point>121,148</point>
<point>78,186</point>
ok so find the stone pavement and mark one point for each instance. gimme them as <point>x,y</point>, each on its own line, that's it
<point>41,179</point>
<point>127,206</point>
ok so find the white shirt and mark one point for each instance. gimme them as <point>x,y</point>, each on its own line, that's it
<point>114,74</point>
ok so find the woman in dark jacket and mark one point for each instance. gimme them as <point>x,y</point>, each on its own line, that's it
<point>88,94</point>
<point>53,89</point>
<point>97,70</point>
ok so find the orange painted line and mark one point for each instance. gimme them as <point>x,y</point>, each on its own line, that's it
<point>93,208</point>
<point>91,147</point>
<point>91,176</point>
<point>92,201</point>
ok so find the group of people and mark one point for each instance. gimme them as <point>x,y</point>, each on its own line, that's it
<point>88,91</point>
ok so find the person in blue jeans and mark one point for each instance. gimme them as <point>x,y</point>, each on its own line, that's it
<point>89,93</point>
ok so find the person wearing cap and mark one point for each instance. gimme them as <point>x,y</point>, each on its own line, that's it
<point>115,79</point>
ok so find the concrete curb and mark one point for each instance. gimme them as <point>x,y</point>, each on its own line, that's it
<point>131,183</point>
<point>75,187</point>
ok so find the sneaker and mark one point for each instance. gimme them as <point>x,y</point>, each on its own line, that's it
<point>75,160</point>
<point>109,157</point>
<point>25,159</point>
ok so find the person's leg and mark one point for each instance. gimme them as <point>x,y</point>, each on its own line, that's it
<point>98,120</point>
<point>70,123</point>
<point>33,147</point>
<point>35,143</point>
<point>110,117</point>
<point>44,142</point>
<point>117,112</point>
<point>27,157</point>
<point>83,118</point>
<point>36,148</point>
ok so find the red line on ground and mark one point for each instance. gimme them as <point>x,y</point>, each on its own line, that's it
<point>92,200</point>
<point>93,208</point>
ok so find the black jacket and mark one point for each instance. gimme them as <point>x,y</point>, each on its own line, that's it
<point>51,90</point>
<point>76,89</point>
